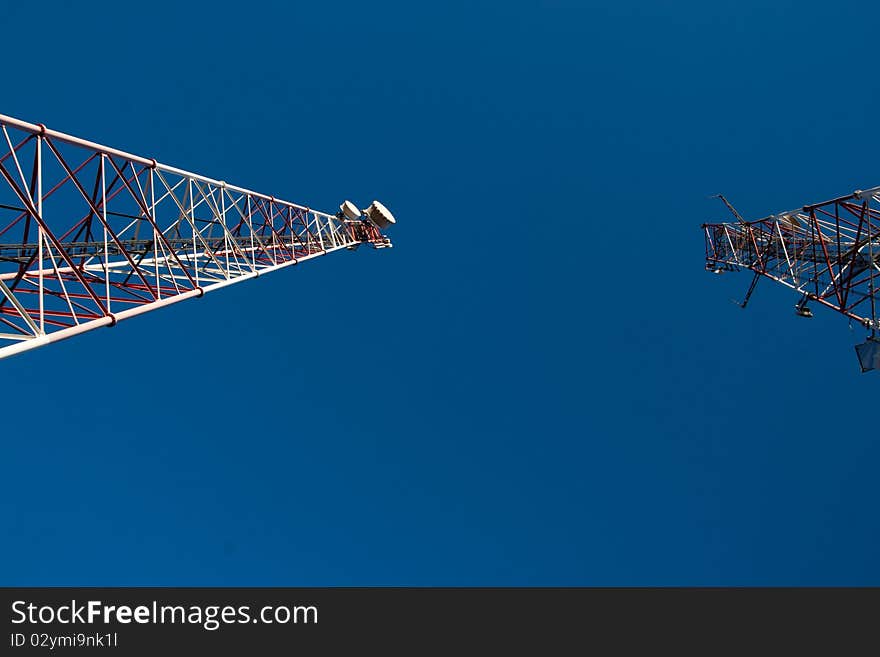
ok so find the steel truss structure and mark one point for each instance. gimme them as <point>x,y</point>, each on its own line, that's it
<point>91,235</point>
<point>827,252</point>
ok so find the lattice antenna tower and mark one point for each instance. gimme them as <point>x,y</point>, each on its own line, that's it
<point>91,235</point>
<point>826,252</point>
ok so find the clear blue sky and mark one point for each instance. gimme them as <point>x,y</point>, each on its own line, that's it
<point>541,384</point>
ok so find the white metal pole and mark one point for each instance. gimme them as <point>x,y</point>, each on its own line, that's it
<point>251,231</point>
<point>39,155</point>
<point>106,244</point>
<point>226,233</point>
<point>155,223</point>
<point>192,220</point>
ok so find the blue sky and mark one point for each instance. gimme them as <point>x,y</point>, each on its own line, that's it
<point>542,385</point>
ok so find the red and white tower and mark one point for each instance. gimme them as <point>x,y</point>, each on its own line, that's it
<point>827,252</point>
<point>91,235</point>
